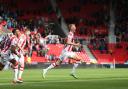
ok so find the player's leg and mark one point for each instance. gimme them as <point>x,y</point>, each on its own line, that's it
<point>73,71</point>
<point>21,69</point>
<point>77,59</point>
<point>15,68</point>
<point>14,60</point>
<point>58,62</point>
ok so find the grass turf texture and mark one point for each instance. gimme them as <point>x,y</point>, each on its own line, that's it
<point>60,79</point>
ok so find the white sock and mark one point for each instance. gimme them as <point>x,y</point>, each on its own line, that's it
<point>51,66</point>
<point>15,74</point>
<point>75,65</point>
<point>20,73</point>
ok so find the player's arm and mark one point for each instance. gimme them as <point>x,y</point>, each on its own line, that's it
<point>69,42</point>
<point>14,47</point>
<point>18,46</point>
<point>21,45</point>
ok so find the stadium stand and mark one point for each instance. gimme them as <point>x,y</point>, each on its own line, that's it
<point>91,21</point>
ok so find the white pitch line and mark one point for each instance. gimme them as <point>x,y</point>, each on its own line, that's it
<point>1,84</point>
<point>55,81</point>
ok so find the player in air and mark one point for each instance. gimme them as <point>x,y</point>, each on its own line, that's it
<point>67,52</point>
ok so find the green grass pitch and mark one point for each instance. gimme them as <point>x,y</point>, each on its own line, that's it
<point>60,79</point>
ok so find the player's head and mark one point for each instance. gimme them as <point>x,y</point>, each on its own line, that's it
<point>72,27</point>
<point>16,32</point>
